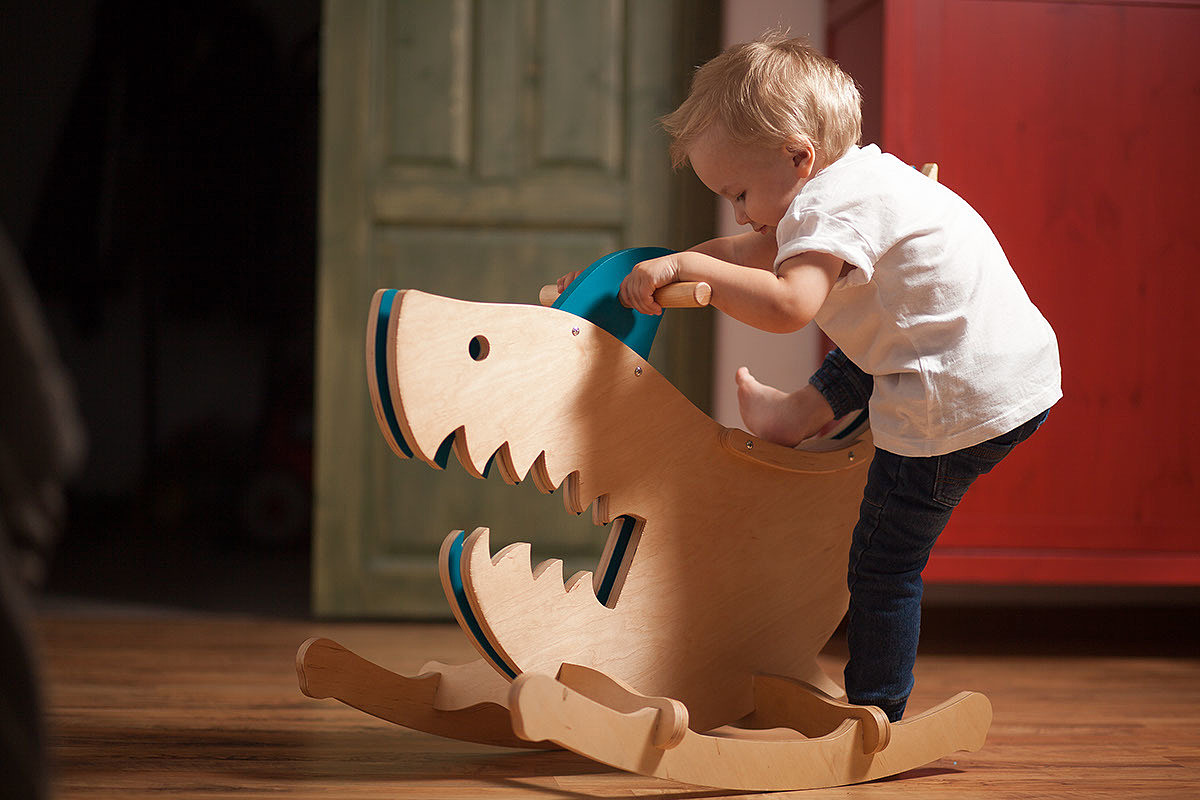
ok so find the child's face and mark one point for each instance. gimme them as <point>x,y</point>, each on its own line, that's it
<point>759,181</point>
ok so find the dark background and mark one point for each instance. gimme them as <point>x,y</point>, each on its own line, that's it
<point>159,165</point>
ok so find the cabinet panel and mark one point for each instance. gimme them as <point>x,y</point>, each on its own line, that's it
<point>1067,125</point>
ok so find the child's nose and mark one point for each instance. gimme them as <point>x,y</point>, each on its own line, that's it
<point>739,215</point>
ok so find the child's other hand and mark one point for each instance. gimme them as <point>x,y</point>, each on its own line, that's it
<point>566,280</point>
<point>637,290</point>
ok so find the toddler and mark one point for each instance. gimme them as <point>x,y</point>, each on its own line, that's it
<point>934,333</point>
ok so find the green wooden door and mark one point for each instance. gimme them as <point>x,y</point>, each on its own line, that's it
<point>479,150</point>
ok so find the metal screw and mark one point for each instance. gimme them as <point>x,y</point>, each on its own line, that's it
<point>574,331</point>
<point>637,370</point>
<point>749,445</point>
<point>851,455</point>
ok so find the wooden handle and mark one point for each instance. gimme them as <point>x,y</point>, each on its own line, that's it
<point>687,294</point>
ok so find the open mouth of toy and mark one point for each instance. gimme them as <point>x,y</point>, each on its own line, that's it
<point>619,551</point>
<point>625,530</point>
<point>607,580</point>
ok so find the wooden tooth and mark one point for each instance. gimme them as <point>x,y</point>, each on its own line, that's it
<point>579,579</point>
<point>541,477</point>
<point>477,546</point>
<point>554,566</point>
<point>600,515</point>
<point>519,552</point>
<point>463,453</point>
<point>571,494</point>
<point>504,465</point>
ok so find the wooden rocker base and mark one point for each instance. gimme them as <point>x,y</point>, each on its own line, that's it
<point>325,669</point>
<point>862,747</point>
<point>797,738</point>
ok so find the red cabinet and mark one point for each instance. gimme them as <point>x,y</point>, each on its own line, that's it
<point>1073,129</point>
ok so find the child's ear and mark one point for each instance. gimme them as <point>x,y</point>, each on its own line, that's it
<point>804,156</point>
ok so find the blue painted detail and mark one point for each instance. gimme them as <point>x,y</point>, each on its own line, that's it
<point>853,427</point>
<point>381,377</point>
<point>442,457</point>
<point>454,567</point>
<point>620,549</point>
<point>593,296</point>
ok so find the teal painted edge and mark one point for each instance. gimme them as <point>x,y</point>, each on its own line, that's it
<point>442,457</point>
<point>454,568</point>
<point>620,548</point>
<point>854,427</point>
<point>381,377</point>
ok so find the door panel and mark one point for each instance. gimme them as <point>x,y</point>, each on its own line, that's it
<point>479,150</point>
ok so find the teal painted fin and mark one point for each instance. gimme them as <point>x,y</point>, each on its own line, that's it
<point>593,296</point>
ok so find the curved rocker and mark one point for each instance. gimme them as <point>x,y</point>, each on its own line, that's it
<point>466,703</point>
<point>862,747</point>
<point>797,738</point>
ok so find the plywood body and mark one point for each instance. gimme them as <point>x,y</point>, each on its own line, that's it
<point>739,567</point>
<point>722,579</point>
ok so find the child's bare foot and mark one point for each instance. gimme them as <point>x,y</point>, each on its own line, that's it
<point>776,416</point>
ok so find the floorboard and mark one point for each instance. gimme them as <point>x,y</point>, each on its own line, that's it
<point>199,705</point>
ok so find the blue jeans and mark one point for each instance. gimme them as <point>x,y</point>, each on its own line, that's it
<point>906,505</point>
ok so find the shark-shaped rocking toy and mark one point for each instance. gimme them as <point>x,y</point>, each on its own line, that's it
<point>690,653</point>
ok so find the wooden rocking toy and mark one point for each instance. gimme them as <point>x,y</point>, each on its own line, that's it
<point>690,653</point>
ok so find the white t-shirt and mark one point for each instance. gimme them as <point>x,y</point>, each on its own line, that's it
<point>932,309</point>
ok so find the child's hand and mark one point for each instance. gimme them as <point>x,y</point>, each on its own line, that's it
<point>637,290</point>
<point>565,280</point>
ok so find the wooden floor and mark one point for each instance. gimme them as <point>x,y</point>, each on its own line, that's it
<point>204,706</point>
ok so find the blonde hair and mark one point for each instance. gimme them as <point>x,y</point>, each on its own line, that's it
<point>771,91</point>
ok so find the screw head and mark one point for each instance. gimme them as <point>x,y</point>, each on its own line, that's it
<point>574,331</point>
<point>637,370</point>
<point>851,455</point>
<point>749,444</point>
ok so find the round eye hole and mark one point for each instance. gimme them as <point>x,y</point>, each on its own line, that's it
<point>479,348</point>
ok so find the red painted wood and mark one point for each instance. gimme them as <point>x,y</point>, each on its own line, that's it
<point>1013,567</point>
<point>1070,127</point>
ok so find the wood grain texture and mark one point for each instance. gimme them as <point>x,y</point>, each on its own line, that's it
<point>685,294</point>
<point>327,670</point>
<point>782,702</point>
<point>671,716</point>
<point>196,706</point>
<point>544,708</point>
